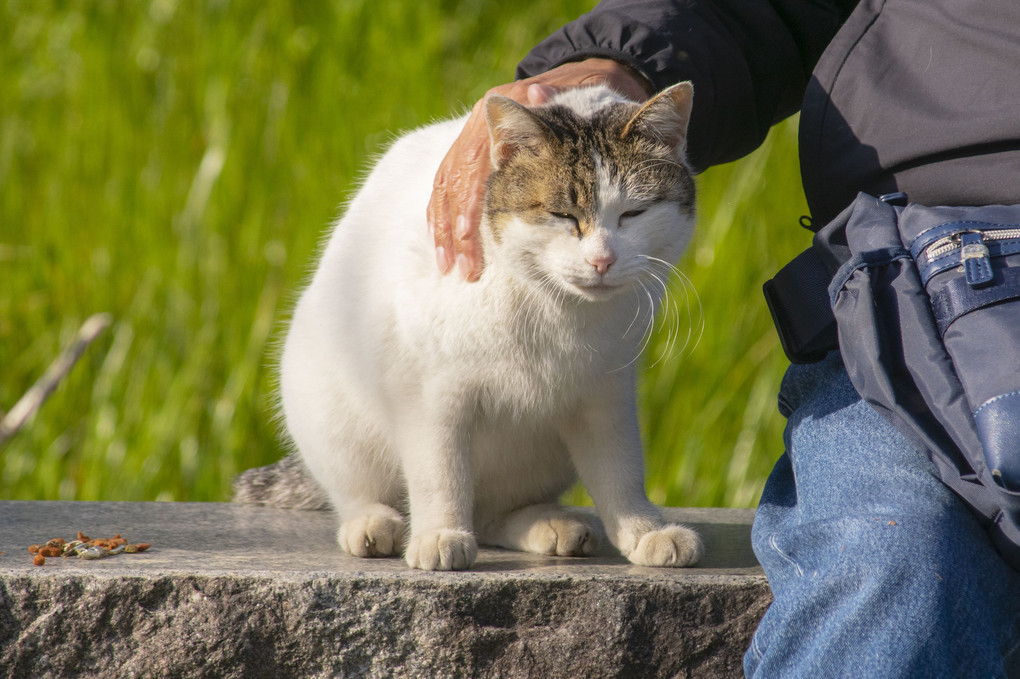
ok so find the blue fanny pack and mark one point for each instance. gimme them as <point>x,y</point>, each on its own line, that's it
<point>924,306</point>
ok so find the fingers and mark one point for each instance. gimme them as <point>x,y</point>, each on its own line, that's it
<point>455,208</point>
<point>467,242</point>
<point>438,222</point>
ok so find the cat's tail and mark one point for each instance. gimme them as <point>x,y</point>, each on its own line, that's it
<point>286,484</point>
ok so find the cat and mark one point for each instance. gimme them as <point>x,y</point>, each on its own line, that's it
<point>436,414</point>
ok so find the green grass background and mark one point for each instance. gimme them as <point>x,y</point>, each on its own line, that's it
<point>175,163</point>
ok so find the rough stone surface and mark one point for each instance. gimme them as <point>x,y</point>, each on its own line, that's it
<point>232,591</point>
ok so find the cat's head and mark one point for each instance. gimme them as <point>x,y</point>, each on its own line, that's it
<point>589,194</point>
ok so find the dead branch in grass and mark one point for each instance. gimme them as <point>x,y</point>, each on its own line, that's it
<point>28,404</point>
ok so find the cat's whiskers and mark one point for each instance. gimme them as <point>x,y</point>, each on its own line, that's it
<point>646,335</point>
<point>699,321</point>
<point>694,322</point>
<point>669,321</point>
<point>546,289</point>
<point>637,313</point>
<point>674,322</point>
<point>650,327</point>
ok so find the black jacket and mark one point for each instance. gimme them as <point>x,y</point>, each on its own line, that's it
<point>921,96</point>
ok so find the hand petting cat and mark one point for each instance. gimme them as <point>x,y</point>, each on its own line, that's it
<point>455,208</point>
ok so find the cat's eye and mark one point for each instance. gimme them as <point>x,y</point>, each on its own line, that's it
<point>632,213</point>
<point>575,225</point>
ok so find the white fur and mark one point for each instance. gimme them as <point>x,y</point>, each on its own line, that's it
<point>470,406</point>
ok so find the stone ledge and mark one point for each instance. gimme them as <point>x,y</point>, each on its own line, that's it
<point>237,591</point>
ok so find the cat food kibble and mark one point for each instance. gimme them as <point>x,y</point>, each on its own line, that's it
<point>84,547</point>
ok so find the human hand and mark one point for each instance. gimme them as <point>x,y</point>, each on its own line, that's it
<point>455,208</point>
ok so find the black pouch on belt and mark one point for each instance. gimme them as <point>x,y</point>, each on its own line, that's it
<point>924,305</point>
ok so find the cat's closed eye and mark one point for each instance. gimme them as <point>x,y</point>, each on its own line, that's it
<point>575,224</point>
<point>632,213</point>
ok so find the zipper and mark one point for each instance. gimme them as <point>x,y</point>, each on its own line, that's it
<point>975,259</point>
<point>946,245</point>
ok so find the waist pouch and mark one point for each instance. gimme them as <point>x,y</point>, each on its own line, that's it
<point>924,306</point>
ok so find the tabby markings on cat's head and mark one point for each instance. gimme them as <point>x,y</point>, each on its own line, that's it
<point>582,193</point>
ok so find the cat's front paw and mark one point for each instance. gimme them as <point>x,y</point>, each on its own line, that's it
<point>372,535</point>
<point>670,546</point>
<point>442,550</point>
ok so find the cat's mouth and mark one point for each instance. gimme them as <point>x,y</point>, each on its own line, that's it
<point>597,291</point>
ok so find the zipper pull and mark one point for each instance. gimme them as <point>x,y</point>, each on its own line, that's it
<point>977,263</point>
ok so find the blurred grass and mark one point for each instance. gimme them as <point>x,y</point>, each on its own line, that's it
<point>175,163</point>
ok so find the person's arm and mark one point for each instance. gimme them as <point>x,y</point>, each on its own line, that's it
<point>749,60</point>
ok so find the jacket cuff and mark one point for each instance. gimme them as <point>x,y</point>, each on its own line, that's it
<point>644,35</point>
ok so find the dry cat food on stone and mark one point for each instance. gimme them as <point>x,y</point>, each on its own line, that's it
<point>84,547</point>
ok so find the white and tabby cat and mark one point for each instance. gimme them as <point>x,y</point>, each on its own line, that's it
<point>437,414</point>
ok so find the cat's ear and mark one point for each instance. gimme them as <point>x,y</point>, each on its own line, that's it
<point>665,117</point>
<point>512,129</point>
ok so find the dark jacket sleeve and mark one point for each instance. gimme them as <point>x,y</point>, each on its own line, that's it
<point>749,60</point>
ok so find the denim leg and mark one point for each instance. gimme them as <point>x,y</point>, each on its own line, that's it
<point>877,569</point>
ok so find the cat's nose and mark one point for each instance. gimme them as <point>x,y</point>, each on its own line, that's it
<point>602,262</point>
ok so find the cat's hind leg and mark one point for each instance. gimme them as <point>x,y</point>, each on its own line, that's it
<point>545,529</point>
<point>363,486</point>
<point>364,489</point>
<point>375,530</point>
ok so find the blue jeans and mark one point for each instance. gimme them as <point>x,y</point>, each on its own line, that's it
<point>877,569</point>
